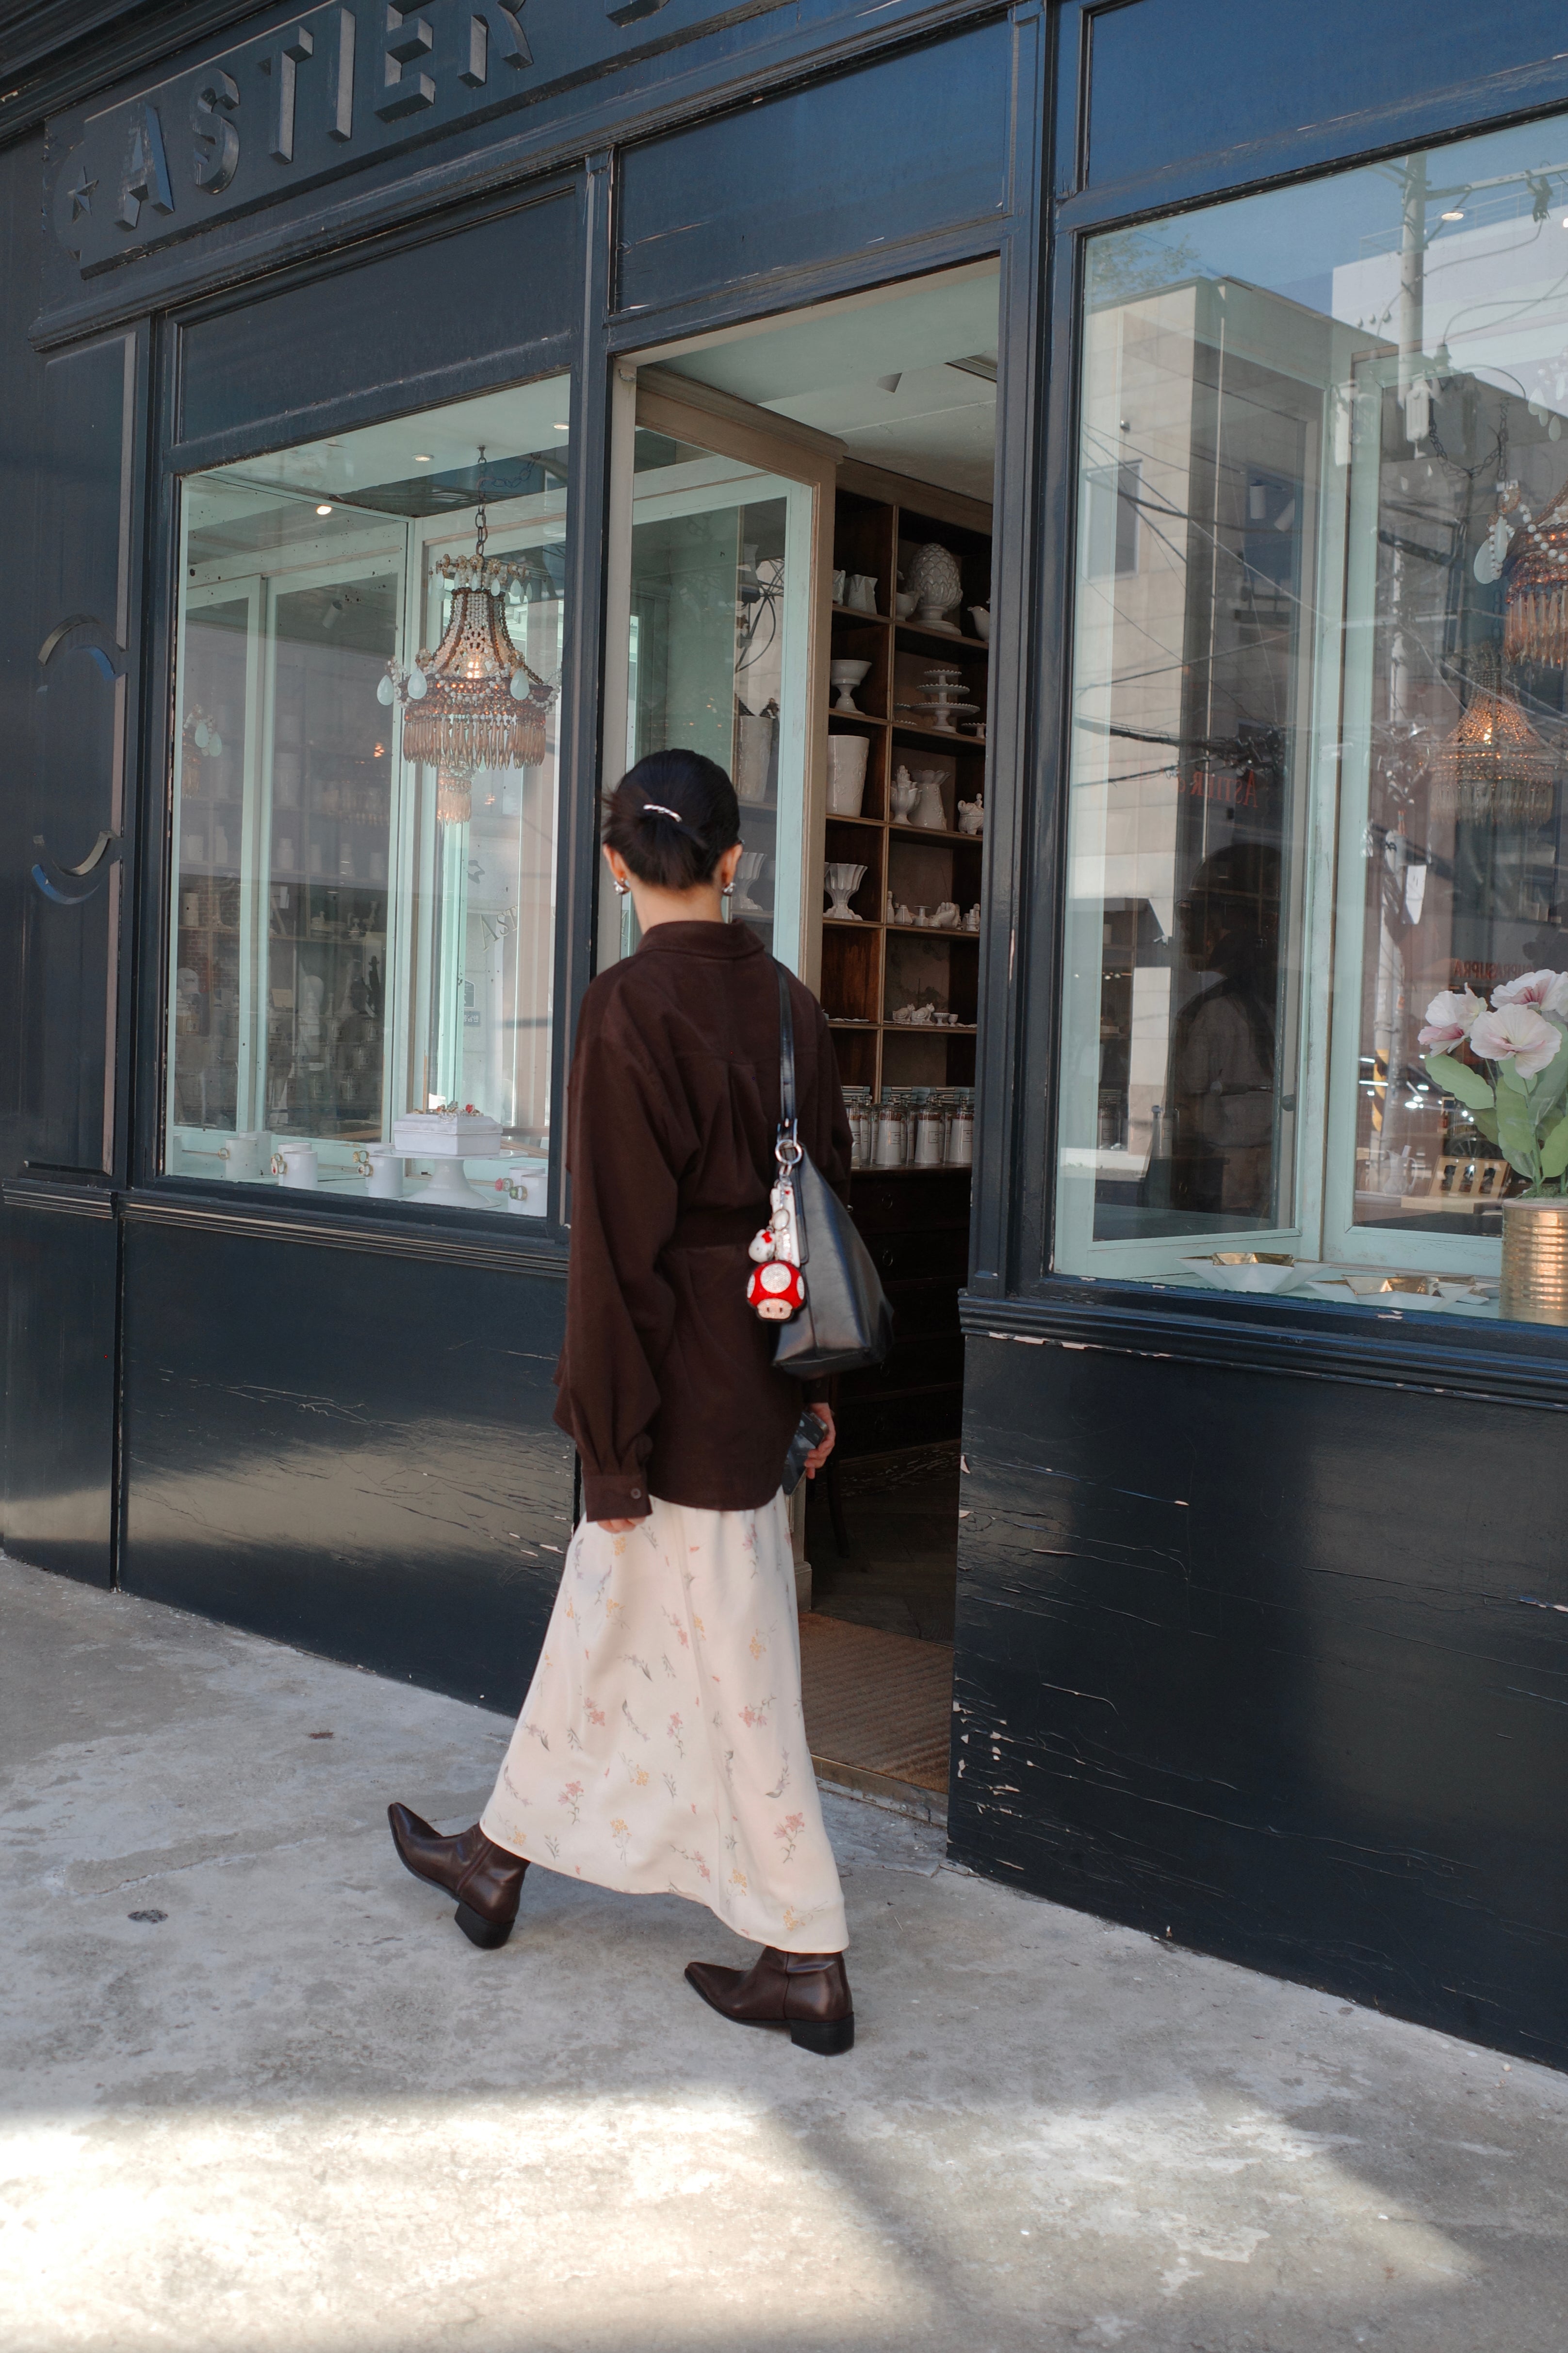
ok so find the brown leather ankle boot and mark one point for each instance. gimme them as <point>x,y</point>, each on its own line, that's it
<point>807,1992</point>
<point>485,1878</point>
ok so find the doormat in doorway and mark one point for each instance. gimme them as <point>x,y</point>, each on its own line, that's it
<point>878,1706</point>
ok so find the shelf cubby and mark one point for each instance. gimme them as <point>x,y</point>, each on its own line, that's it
<point>871,968</point>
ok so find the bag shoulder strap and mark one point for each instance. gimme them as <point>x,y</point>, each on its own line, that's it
<point>789,1114</point>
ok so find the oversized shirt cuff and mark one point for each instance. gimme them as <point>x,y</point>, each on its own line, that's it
<point>615,1495</point>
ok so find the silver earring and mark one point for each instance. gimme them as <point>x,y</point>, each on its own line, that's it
<point>621,890</point>
<point>729,892</point>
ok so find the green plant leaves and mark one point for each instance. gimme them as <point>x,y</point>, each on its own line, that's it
<point>1458,1078</point>
<point>1554,1150</point>
<point>1516,1130</point>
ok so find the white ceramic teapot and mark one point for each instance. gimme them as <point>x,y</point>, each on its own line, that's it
<point>972,815</point>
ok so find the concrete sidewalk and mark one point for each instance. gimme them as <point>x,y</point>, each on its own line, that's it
<point>257,2092</point>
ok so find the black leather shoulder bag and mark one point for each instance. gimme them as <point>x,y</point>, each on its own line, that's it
<point>845,1322</point>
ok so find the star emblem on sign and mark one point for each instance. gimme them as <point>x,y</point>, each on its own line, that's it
<point>80,194</point>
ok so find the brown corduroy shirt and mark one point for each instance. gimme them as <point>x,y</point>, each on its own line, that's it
<point>667,1380</point>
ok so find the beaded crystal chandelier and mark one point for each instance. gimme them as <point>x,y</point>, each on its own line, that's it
<point>1493,768</point>
<point>1535,580</point>
<point>474,703</point>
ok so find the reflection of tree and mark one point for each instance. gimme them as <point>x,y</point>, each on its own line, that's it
<point>1138,262</point>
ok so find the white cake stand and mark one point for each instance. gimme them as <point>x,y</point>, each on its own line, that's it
<point>447,1185</point>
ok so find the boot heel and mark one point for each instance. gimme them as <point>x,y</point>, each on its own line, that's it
<point>480,1931</point>
<point>828,2042</point>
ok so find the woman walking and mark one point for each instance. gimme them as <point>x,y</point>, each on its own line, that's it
<point>661,1748</point>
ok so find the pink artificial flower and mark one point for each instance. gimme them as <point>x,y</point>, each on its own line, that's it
<point>1516,1034</point>
<point>1548,991</point>
<point>1449,1018</point>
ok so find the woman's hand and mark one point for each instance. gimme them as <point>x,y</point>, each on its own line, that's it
<point>819,1454</point>
<point>616,1527</point>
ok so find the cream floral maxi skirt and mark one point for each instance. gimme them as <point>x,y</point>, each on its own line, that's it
<point>661,1748</point>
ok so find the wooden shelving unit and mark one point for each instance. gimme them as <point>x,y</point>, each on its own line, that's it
<point>873,967</point>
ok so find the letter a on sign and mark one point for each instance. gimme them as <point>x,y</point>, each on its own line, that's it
<point>146,179</point>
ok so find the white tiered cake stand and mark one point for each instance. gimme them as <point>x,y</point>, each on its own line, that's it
<point>449,1188</point>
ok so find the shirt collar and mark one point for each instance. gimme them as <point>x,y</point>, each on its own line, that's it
<point>722,941</point>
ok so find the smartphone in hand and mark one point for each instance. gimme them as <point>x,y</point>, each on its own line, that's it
<point>809,1433</point>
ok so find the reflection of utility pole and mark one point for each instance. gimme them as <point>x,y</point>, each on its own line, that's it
<point>1391,1000</point>
<point>1412,278</point>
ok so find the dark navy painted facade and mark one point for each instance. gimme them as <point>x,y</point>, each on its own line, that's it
<point>1222,1673</point>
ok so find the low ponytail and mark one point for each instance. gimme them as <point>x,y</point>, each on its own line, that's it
<point>672,817</point>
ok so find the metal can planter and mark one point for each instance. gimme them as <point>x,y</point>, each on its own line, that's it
<point>1535,1262</point>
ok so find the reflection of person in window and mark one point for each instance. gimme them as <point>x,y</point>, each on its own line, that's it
<point>357,1051</point>
<point>1223,1043</point>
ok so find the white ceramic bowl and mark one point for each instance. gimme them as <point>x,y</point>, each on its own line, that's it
<point>1254,1271</point>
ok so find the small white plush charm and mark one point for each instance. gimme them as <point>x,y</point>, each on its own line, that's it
<point>761,1247</point>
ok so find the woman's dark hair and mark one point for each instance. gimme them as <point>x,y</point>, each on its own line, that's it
<point>673,851</point>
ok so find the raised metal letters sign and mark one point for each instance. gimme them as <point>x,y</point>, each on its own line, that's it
<point>323,91</point>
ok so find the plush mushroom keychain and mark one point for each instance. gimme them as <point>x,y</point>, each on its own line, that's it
<point>777,1287</point>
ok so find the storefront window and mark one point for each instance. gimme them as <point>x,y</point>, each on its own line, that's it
<point>1319,720</point>
<point>363,934</point>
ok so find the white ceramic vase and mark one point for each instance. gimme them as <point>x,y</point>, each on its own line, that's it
<point>935,578</point>
<point>847,774</point>
<point>843,881</point>
<point>751,862</point>
<point>929,811</point>
<point>905,794</point>
<point>845,677</point>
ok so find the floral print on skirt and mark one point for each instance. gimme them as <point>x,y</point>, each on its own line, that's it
<point>661,1748</point>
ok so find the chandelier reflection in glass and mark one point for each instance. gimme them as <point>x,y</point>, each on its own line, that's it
<point>1493,768</point>
<point>474,704</point>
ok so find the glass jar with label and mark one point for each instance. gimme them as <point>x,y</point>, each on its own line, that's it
<point>891,1133</point>
<point>929,1125</point>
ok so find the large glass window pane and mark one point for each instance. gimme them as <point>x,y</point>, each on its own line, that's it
<point>360,990</point>
<point>1318,720</point>
<point>716,650</point>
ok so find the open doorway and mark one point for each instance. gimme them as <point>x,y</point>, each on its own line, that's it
<point>801,585</point>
